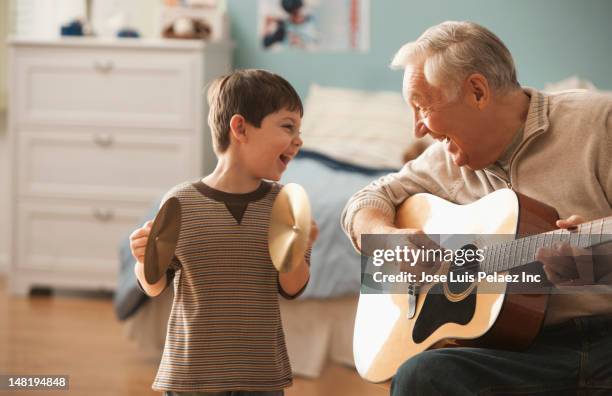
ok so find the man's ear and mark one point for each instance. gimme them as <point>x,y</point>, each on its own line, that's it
<point>477,90</point>
<point>238,127</point>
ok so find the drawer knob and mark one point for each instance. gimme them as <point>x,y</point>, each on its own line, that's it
<point>103,67</point>
<point>103,214</point>
<point>103,139</point>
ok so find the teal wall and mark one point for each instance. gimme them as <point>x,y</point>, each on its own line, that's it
<point>550,40</point>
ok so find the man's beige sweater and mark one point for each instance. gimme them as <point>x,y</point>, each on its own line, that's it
<point>563,160</point>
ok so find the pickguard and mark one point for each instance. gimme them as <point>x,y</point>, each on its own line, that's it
<point>437,310</point>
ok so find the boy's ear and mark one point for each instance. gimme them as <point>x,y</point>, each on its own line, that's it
<point>238,127</point>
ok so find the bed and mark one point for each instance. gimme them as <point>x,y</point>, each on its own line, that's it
<point>350,138</point>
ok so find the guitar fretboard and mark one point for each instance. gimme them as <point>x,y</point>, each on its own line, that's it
<point>504,256</point>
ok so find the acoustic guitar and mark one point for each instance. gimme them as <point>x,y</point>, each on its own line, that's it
<point>391,328</point>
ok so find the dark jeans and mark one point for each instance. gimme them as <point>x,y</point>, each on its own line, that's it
<point>228,393</point>
<point>573,358</point>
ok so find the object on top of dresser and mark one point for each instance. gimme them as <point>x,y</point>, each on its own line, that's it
<point>73,28</point>
<point>128,33</point>
<point>76,27</point>
<point>191,21</point>
<point>187,28</point>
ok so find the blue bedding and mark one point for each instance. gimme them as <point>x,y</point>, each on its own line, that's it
<point>335,266</point>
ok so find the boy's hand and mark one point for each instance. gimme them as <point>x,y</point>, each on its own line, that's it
<point>138,241</point>
<point>293,281</point>
<point>314,233</point>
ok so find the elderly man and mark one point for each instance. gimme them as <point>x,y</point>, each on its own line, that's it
<point>460,81</point>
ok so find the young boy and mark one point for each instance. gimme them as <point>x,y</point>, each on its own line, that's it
<point>225,335</point>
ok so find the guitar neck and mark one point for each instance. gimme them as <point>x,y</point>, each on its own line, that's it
<point>505,256</point>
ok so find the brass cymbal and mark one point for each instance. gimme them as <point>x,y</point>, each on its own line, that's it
<point>162,240</point>
<point>289,227</point>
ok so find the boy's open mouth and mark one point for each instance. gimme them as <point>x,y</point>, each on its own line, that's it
<point>285,159</point>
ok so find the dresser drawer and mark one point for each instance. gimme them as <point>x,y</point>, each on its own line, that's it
<point>118,87</point>
<point>79,236</point>
<point>103,165</point>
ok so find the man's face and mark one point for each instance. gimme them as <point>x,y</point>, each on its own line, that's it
<point>455,123</point>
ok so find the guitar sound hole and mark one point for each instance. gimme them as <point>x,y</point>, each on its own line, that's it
<point>464,268</point>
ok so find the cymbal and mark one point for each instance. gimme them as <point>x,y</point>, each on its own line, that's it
<point>162,240</point>
<point>289,227</point>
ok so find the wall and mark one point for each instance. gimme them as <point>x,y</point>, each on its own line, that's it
<point>4,21</point>
<point>4,175</point>
<point>550,40</point>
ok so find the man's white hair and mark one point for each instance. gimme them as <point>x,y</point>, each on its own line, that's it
<point>452,51</point>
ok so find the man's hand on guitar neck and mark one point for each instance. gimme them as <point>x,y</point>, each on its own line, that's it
<point>570,222</point>
<point>567,265</point>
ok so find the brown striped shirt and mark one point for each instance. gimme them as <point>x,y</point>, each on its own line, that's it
<point>224,331</point>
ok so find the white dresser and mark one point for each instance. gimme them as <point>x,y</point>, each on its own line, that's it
<point>97,131</point>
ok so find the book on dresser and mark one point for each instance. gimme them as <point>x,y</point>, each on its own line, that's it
<point>99,129</point>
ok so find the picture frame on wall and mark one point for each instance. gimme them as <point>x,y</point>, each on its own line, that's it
<point>314,25</point>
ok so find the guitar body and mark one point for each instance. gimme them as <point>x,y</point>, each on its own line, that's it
<point>386,335</point>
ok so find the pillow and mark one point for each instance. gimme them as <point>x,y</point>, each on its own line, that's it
<point>369,129</point>
<point>573,82</point>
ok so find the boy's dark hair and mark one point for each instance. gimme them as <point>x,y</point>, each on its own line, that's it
<point>292,5</point>
<point>253,94</point>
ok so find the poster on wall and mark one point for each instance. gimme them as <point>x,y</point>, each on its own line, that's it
<point>314,25</point>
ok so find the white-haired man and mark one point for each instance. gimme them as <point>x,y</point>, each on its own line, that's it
<point>460,81</point>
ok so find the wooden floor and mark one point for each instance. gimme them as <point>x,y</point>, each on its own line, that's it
<point>79,336</point>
